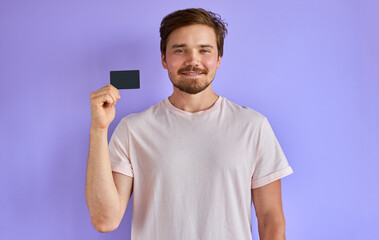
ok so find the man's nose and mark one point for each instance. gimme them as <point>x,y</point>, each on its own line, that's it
<point>193,58</point>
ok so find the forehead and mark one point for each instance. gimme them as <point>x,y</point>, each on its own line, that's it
<point>192,34</point>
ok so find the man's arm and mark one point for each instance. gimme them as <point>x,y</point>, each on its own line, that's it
<point>268,208</point>
<point>107,193</point>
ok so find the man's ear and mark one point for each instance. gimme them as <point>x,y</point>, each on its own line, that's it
<point>164,62</point>
<point>218,61</point>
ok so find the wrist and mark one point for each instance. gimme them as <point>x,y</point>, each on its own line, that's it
<point>97,130</point>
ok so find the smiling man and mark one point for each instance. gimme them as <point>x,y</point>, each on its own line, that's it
<point>191,59</point>
<point>195,162</point>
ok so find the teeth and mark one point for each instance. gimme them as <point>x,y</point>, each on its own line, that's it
<point>191,73</point>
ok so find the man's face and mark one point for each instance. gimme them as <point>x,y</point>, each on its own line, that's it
<point>191,57</point>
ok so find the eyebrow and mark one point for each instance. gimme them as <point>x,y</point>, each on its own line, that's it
<point>185,45</point>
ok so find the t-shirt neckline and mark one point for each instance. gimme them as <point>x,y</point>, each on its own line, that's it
<point>176,110</point>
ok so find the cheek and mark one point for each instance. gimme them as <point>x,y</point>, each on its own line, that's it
<point>210,61</point>
<point>173,62</point>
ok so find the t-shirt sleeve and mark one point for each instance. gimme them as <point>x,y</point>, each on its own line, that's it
<point>119,150</point>
<point>271,162</point>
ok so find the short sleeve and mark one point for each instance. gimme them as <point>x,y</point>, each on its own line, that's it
<point>118,150</point>
<point>271,162</point>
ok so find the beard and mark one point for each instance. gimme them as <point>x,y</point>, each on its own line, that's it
<point>191,85</point>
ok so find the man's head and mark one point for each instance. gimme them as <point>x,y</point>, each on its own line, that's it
<point>192,46</point>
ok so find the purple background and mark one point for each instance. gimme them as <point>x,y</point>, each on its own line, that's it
<point>312,67</point>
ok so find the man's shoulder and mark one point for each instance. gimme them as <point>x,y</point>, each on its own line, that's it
<point>144,114</point>
<point>243,111</point>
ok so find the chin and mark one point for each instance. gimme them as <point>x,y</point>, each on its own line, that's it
<point>192,90</point>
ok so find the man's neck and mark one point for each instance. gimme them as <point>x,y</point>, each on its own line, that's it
<point>193,102</point>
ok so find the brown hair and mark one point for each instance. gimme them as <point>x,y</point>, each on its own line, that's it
<point>191,16</point>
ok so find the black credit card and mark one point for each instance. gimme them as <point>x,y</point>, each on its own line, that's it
<point>128,79</point>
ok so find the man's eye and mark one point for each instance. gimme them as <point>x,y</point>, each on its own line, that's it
<point>205,50</point>
<point>179,50</point>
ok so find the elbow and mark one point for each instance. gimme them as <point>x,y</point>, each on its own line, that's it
<point>104,229</point>
<point>272,229</point>
<point>104,226</point>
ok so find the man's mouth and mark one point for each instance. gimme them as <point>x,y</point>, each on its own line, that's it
<point>192,73</point>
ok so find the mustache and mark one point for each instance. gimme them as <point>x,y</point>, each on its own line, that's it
<point>192,69</point>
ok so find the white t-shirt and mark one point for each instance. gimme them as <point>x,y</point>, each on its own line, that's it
<point>193,172</point>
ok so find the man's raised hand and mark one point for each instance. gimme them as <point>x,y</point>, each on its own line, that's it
<point>103,109</point>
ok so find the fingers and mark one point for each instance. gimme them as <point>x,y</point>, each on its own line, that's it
<point>108,89</point>
<point>108,99</point>
<point>108,94</point>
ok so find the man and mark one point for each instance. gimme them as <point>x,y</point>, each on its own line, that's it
<point>195,162</point>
